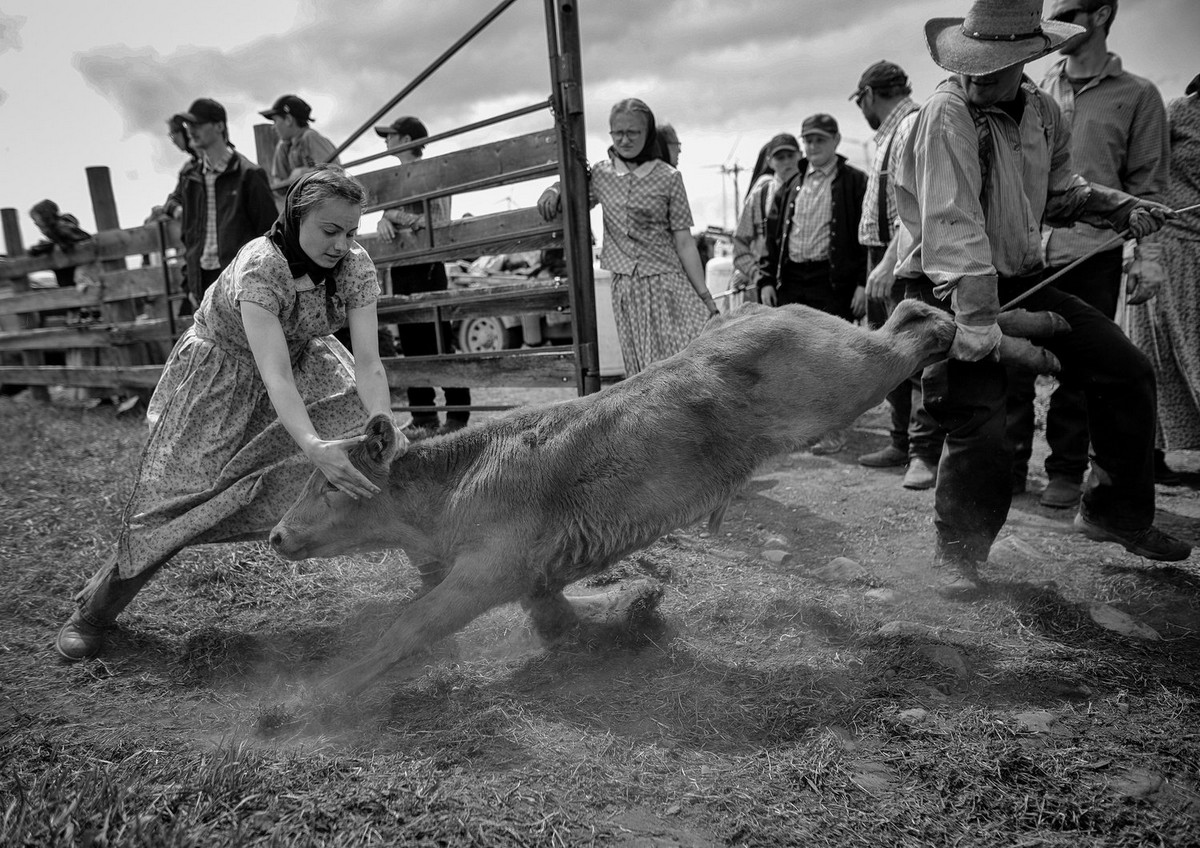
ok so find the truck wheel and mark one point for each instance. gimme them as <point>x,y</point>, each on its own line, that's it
<point>481,335</point>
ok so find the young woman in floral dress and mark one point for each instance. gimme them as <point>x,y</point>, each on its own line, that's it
<point>253,395</point>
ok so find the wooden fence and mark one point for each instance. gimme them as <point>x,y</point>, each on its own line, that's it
<point>116,334</point>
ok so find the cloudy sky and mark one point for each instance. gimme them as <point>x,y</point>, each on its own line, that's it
<point>87,83</point>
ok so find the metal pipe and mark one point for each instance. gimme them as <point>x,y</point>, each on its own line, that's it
<point>421,77</point>
<point>566,70</point>
<point>465,128</point>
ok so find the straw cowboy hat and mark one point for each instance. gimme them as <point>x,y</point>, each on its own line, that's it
<point>995,34</point>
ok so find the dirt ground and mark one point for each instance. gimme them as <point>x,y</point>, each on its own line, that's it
<point>804,684</point>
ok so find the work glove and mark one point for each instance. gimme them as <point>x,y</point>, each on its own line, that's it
<point>987,334</point>
<point>1146,274</point>
<point>550,203</point>
<point>1124,212</point>
<point>975,304</point>
<point>1017,325</point>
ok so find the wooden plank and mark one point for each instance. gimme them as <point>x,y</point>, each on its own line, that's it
<point>519,369</point>
<point>133,376</point>
<point>109,244</point>
<point>529,298</point>
<point>513,368</point>
<point>98,335</point>
<point>501,162</point>
<point>400,309</point>
<point>117,285</point>
<point>501,232</point>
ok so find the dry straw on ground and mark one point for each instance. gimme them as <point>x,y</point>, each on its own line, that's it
<point>773,703</point>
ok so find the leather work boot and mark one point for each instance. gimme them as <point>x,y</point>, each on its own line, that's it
<point>889,457</point>
<point>103,599</point>
<point>80,639</point>
<point>1149,542</point>
<point>964,581</point>
<point>920,474</point>
<point>1060,493</point>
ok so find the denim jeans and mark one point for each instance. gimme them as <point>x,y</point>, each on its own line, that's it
<point>969,399</point>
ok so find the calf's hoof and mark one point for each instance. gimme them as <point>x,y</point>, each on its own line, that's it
<point>79,639</point>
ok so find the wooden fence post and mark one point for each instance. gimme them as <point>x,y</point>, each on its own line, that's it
<point>11,222</point>
<point>104,207</point>
<point>265,139</point>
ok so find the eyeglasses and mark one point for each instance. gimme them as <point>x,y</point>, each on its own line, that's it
<point>626,134</point>
<point>862,92</point>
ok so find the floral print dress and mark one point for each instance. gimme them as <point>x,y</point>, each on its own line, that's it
<point>1167,327</point>
<point>218,465</point>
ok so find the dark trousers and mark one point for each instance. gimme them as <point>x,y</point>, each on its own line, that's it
<point>1097,282</point>
<point>913,429</point>
<point>421,340</point>
<point>969,399</point>
<point>809,284</point>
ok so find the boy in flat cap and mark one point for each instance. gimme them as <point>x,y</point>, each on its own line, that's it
<point>813,256</point>
<point>300,148</point>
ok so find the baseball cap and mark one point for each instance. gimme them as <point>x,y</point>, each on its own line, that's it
<point>819,123</point>
<point>883,74</point>
<point>783,141</point>
<point>289,104</point>
<point>407,125</point>
<point>204,111</point>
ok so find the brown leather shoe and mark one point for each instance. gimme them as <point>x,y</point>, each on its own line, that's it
<point>962,583</point>
<point>1149,542</point>
<point>79,639</point>
<point>920,474</point>
<point>1060,493</point>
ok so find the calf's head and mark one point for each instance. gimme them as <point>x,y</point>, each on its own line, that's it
<point>325,521</point>
<point>922,330</point>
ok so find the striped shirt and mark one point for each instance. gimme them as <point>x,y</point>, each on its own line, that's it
<point>892,133</point>
<point>643,209</point>
<point>945,234</point>
<point>809,238</point>
<point>1119,139</point>
<point>750,239</point>
<point>210,258</point>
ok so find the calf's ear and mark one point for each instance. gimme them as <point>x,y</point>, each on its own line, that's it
<point>384,442</point>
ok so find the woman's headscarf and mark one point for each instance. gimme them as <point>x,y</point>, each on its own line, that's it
<point>285,235</point>
<point>762,165</point>
<point>651,149</point>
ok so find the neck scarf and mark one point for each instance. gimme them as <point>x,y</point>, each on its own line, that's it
<point>652,149</point>
<point>285,235</point>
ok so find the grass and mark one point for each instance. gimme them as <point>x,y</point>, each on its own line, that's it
<point>764,708</point>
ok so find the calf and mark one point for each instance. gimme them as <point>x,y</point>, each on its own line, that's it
<point>517,507</point>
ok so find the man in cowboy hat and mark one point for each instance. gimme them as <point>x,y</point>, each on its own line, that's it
<point>1119,137</point>
<point>988,161</point>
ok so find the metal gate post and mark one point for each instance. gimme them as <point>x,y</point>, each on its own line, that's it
<point>566,75</point>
